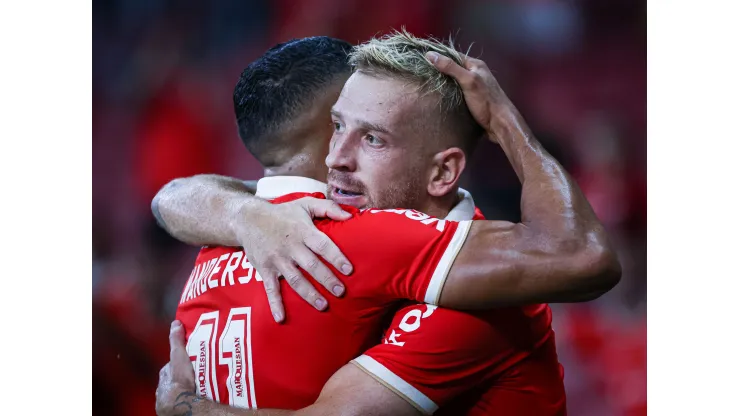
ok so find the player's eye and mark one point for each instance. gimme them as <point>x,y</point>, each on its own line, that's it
<point>337,125</point>
<point>373,140</point>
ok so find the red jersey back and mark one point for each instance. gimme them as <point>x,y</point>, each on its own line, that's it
<point>243,358</point>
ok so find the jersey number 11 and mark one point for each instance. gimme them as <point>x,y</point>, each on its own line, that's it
<point>234,352</point>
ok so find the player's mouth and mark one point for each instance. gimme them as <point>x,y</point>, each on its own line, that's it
<point>347,197</point>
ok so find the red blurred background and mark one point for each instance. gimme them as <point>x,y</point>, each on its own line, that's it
<point>163,73</point>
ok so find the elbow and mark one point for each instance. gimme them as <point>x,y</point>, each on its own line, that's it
<point>600,271</point>
<point>157,211</point>
<point>160,202</point>
<point>591,263</point>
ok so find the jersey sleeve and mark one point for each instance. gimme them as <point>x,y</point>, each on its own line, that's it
<point>431,355</point>
<point>408,253</point>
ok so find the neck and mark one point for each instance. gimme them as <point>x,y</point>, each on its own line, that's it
<point>284,171</point>
<point>299,165</point>
<point>440,207</point>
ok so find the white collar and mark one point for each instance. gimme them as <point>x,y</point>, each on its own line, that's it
<point>463,210</point>
<point>273,187</point>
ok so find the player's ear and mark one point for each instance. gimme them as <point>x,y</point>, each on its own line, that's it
<point>448,166</point>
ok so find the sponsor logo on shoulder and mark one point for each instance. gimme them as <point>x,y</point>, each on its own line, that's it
<point>416,216</point>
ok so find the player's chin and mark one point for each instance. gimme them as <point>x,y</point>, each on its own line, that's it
<point>353,200</point>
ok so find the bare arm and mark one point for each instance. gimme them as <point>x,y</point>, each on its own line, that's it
<point>218,210</point>
<point>559,252</point>
<point>349,392</point>
<point>198,210</point>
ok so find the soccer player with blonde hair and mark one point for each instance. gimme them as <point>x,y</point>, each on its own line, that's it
<point>404,125</point>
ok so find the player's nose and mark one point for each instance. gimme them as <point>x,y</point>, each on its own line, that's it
<point>341,156</point>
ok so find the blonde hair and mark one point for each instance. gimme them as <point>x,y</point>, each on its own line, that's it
<point>401,54</point>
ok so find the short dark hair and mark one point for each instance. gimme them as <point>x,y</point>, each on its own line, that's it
<point>280,84</point>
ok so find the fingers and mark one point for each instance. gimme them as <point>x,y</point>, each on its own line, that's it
<point>274,299</point>
<point>300,284</point>
<point>321,208</point>
<point>309,262</point>
<point>473,64</point>
<point>180,367</point>
<point>450,67</point>
<point>317,241</point>
<point>469,77</point>
<point>177,343</point>
<point>469,63</point>
<point>322,245</point>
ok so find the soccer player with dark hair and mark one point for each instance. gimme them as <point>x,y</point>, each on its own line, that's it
<point>295,81</point>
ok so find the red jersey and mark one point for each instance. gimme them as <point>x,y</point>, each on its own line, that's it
<point>493,362</point>
<point>501,361</point>
<point>241,357</point>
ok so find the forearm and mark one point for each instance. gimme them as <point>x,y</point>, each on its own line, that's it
<point>349,392</point>
<point>551,202</point>
<point>188,404</point>
<point>199,210</point>
<point>559,252</point>
<point>209,408</point>
<point>571,241</point>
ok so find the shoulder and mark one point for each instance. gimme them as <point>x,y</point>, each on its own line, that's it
<point>394,221</point>
<point>446,329</point>
<point>479,334</point>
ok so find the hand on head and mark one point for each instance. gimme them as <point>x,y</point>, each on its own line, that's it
<point>486,100</point>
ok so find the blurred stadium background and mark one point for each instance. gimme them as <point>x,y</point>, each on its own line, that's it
<point>163,73</point>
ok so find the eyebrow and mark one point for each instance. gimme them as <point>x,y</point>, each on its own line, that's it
<point>366,125</point>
